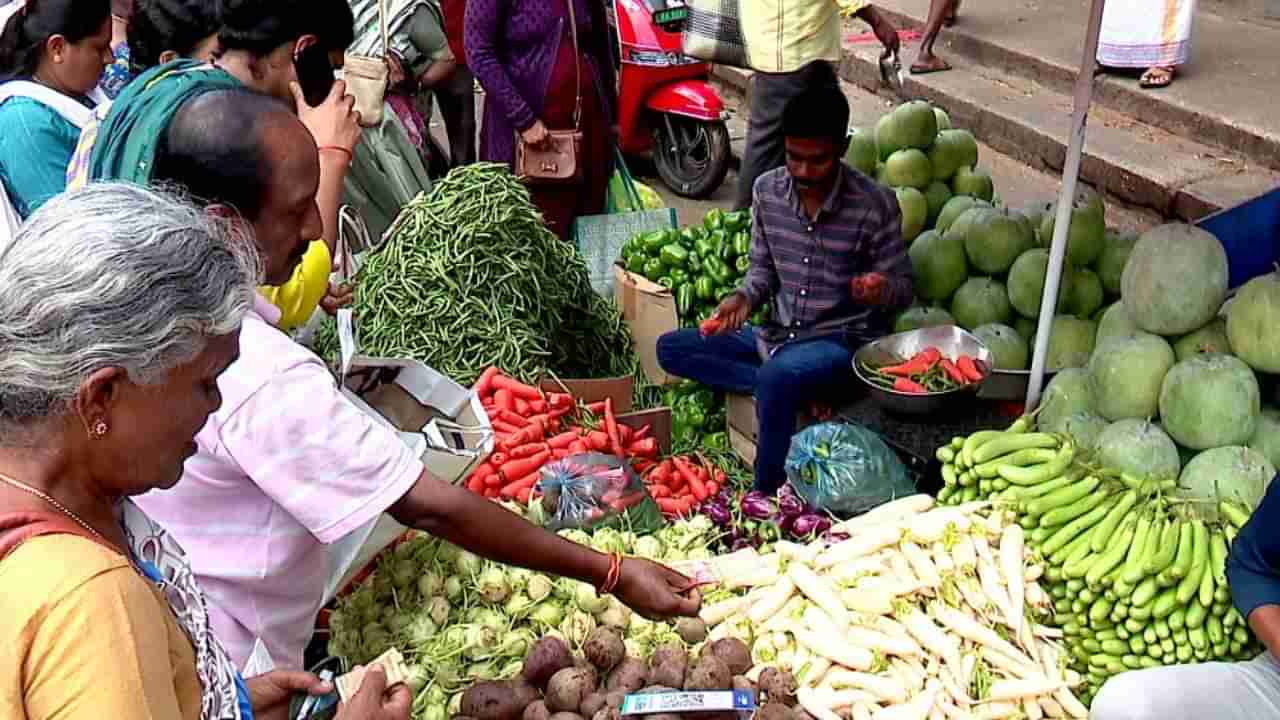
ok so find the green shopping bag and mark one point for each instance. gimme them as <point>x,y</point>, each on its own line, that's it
<point>623,195</point>
<point>600,238</point>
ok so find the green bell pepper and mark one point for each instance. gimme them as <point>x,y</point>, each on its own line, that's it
<point>666,282</point>
<point>695,418</point>
<point>636,264</point>
<point>722,242</point>
<point>679,276</point>
<point>652,242</point>
<point>684,298</point>
<point>705,247</point>
<point>717,440</point>
<point>673,255</point>
<point>653,269</point>
<point>742,242</point>
<point>737,220</point>
<point>705,288</point>
<point>694,264</point>
<point>704,399</point>
<point>714,220</point>
<point>742,264</point>
<point>718,271</point>
<point>688,235</point>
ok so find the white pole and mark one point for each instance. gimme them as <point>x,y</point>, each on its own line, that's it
<point>1062,221</point>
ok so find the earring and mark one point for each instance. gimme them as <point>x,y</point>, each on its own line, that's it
<point>99,429</point>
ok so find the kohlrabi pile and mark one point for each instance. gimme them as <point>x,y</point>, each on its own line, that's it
<point>459,619</point>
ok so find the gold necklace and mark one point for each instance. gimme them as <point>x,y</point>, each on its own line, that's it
<point>49,499</point>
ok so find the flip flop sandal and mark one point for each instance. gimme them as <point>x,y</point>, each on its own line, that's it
<point>1156,78</point>
<point>922,70</point>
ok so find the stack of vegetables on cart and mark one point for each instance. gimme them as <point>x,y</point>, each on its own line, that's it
<point>922,608</point>
<point>459,619</point>
<point>1087,539</point>
<point>1135,565</point>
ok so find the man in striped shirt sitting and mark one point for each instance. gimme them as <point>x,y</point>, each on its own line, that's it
<point>827,255</point>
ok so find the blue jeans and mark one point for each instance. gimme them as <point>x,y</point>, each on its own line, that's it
<point>795,375</point>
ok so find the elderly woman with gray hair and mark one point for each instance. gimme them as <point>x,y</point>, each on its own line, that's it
<point>119,308</point>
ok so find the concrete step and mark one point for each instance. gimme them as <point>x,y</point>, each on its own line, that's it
<point>1018,183</point>
<point>1224,96</point>
<point>1128,158</point>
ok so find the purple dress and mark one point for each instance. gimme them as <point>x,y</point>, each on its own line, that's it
<point>512,46</point>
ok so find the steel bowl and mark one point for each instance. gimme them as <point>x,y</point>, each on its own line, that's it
<point>892,349</point>
<point>1009,384</point>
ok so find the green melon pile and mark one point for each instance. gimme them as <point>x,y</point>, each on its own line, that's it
<point>976,247</point>
<point>1178,374</point>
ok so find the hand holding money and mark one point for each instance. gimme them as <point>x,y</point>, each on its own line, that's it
<point>377,691</point>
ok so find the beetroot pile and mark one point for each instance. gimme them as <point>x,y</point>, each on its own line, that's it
<point>555,685</point>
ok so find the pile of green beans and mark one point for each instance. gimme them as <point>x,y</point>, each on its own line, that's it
<point>470,276</point>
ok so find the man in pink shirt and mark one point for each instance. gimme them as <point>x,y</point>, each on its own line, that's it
<point>287,464</point>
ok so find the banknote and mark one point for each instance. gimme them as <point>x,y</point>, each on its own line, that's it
<point>392,663</point>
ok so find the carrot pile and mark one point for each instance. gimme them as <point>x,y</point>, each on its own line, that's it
<point>928,371</point>
<point>534,428</point>
<point>680,484</point>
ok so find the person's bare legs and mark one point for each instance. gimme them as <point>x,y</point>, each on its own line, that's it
<point>926,61</point>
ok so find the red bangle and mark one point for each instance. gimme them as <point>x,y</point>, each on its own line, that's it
<point>613,576</point>
<point>338,148</point>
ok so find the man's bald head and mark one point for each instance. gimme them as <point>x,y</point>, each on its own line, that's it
<point>247,150</point>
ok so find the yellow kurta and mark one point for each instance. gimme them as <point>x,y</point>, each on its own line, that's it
<point>85,637</point>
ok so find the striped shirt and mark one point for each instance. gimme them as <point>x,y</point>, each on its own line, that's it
<point>286,466</point>
<point>803,267</point>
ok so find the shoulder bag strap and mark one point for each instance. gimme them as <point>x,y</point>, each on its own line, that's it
<point>382,19</point>
<point>577,66</point>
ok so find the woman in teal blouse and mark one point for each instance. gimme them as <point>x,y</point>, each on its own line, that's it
<point>62,45</point>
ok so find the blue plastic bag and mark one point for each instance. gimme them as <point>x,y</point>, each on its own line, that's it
<point>845,469</point>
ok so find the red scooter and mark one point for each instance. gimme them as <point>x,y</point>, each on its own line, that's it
<point>666,103</point>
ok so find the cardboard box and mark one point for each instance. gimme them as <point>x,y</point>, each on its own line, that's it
<point>744,446</point>
<point>441,421</point>
<point>650,312</point>
<point>619,389</point>
<point>740,413</point>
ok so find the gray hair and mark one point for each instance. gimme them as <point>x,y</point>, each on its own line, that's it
<point>113,275</point>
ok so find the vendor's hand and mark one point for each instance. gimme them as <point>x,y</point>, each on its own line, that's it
<point>536,135</point>
<point>334,122</point>
<point>868,288</point>
<point>656,591</point>
<point>733,312</point>
<point>375,701</point>
<point>270,694</point>
<point>337,297</point>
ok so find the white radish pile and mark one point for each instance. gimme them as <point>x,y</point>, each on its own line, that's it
<point>924,612</point>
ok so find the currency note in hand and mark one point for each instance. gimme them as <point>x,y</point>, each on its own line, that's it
<point>391,662</point>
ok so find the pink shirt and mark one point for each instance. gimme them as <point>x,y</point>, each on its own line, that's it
<point>286,466</point>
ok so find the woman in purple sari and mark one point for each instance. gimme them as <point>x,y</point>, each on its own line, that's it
<point>522,53</point>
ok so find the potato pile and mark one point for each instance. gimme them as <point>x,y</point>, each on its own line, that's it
<point>555,685</point>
